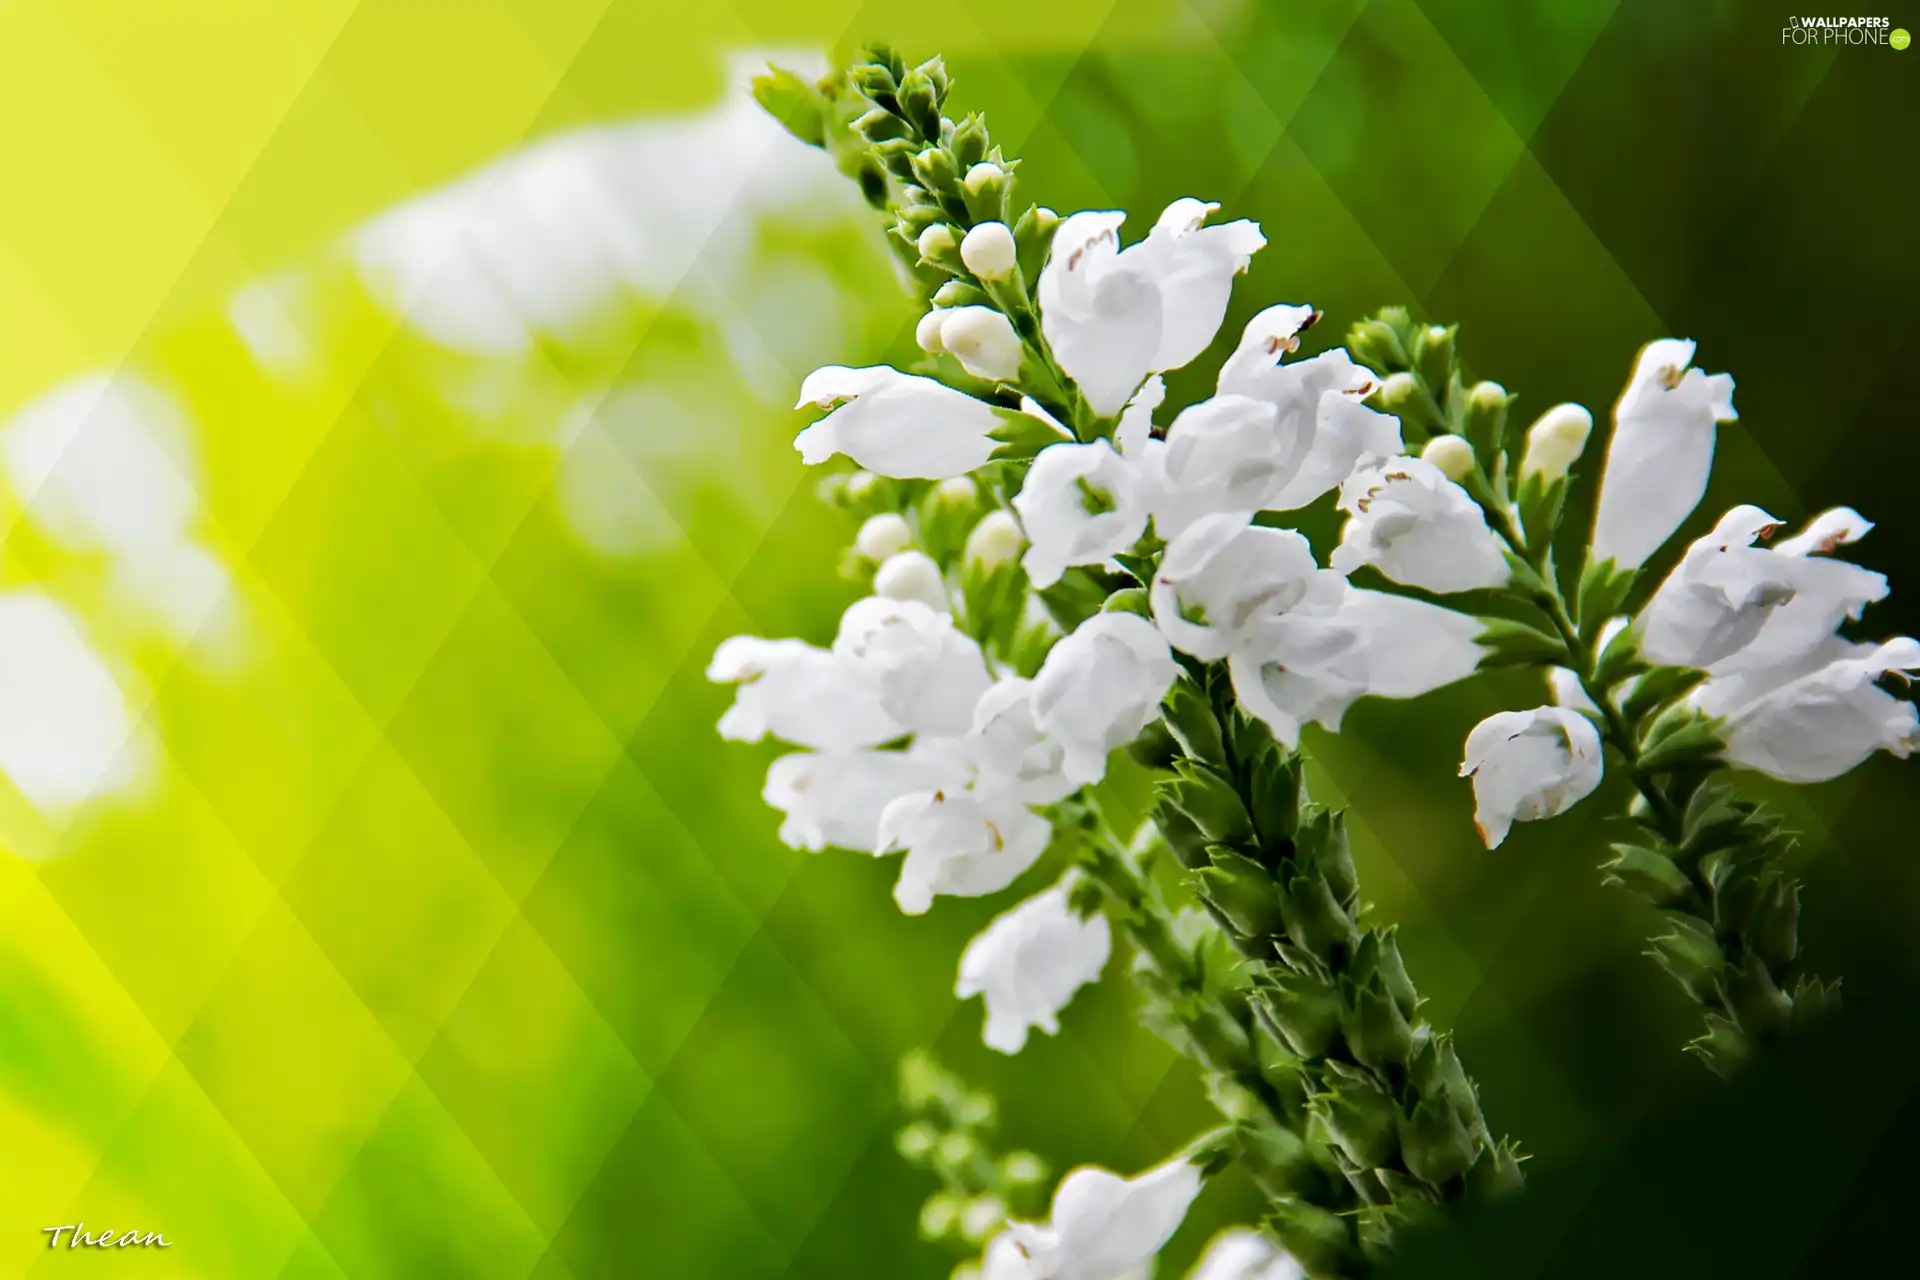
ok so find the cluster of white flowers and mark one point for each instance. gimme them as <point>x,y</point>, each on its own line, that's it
<point>1794,699</point>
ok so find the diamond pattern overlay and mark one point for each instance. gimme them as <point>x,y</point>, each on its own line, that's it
<point>422,926</point>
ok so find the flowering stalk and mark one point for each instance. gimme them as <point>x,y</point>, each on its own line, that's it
<point>1709,861</point>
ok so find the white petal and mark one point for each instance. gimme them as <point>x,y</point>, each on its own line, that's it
<point>1661,452</point>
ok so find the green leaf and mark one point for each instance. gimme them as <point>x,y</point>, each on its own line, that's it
<point>1620,659</point>
<point>1656,688</point>
<point>1603,589</point>
<point>795,102</point>
<point>1511,643</point>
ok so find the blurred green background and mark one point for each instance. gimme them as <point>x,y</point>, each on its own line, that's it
<point>376,897</point>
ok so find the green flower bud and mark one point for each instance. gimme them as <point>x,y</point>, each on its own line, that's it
<point>933,169</point>
<point>1183,835</point>
<point>1377,1032</point>
<point>995,542</point>
<point>1023,1168</point>
<point>1033,233</point>
<point>1433,355</point>
<point>920,102</point>
<point>880,125</point>
<point>1300,1008</point>
<point>1362,1120</point>
<point>1764,1009</point>
<point>958,293</point>
<point>896,156</point>
<point>1319,1240</point>
<point>1210,801</point>
<point>915,1142</point>
<point>940,1215</point>
<point>874,82</point>
<point>1191,720</point>
<point>1315,922</point>
<point>984,187</point>
<point>1486,428</point>
<point>1400,395</point>
<point>1377,345</point>
<point>969,142</point>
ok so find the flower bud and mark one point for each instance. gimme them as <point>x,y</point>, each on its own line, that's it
<point>1033,232</point>
<point>927,332</point>
<point>956,494</point>
<point>912,575</point>
<point>990,252</point>
<point>982,176</point>
<point>958,293</point>
<point>995,542</point>
<point>873,80</point>
<point>969,141</point>
<point>882,536</point>
<point>1433,355</point>
<point>1400,396</point>
<point>985,190</point>
<point>933,169</point>
<point>1486,428</point>
<point>983,341</point>
<point>1555,442</point>
<point>937,245</point>
<point>1452,455</point>
<point>879,125</point>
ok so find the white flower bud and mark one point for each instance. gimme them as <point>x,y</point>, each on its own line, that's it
<point>957,493</point>
<point>983,341</point>
<point>927,332</point>
<point>1451,454</point>
<point>912,575</point>
<point>1555,442</point>
<point>979,178</point>
<point>989,251</point>
<point>862,486</point>
<point>1528,765</point>
<point>1399,392</point>
<point>886,534</point>
<point>936,242</point>
<point>995,542</point>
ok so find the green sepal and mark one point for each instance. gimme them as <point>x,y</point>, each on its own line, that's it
<point>1377,1033</point>
<point>1436,1145</point>
<point>1433,350</point>
<point>1680,738</point>
<point>1496,1174</point>
<point>1189,716</point>
<point>1322,1242</point>
<point>1512,643</point>
<point>1129,600</point>
<point>1725,1048</point>
<point>1486,429</point>
<point>1540,502</point>
<point>1242,891</point>
<point>969,143</point>
<point>1209,800</point>
<point>1620,659</point>
<point>796,102</point>
<point>1359,1116</point>
<point>1650,874</point>
<point>1377,344</point>
<point>1691,954</point>
<point>1022,435</point>
<point>1273,787</point>
<point>1183,835</point>
<point>1301,1008</point>
<point>1315,921</point>
<point>1763,1008</point>
<point>1032,237</point>
<point>1774,934</point>
<point>1320,840</point>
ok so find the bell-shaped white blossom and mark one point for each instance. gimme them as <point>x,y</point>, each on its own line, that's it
<point>1730,605</point>
<point>1822,720</point>
<point>1029,962</point>
<point>1081,504</point>
<point>836,797</point>
<point>912,575</point>
<point>963,844</point>
<point>1826,533</point>
<point>1407,519</point>
<point>1245,1254</point>
<point>1223,577</point>
<point>1103,1226</point>
<point>927,673</point>
<point>1307,666</point>
<point>1664,427</point>
<point>1007,753</point>
<point>1229,453</point>
<point>896,424</point>
<point>790,690</point>
<point>1319,401</point>
<point>1099,687</point>
<point>1555,442</point>
<point>1113,316</point>
<point>1528,765</point>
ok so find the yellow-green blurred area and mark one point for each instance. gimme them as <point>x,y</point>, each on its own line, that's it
<point>394,415</point>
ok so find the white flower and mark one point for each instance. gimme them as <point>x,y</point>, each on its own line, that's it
<point>1826,533</point>
<point>1080,504</point>
<point>1732,606</point>
<point>1418,528</point>
<point>790,690</point>
<point>1527,765</point>
<point>1817,723</point>
<point>1028,963</point>
<point>884,535</point>
<point>928,674</point>
<point>982,340</point>
<point>1309,666</point>
<point>1099,687</point>
<point>895,424</point>
<point>1319,401</point>
<point>994,542</point>
<point>958,843</point>
<point>1266,340</point>
<point>1662,450</point>
<point>1103,1226</point>
<point>836,798</point>
<point>989,249</point>
<point>1228,453</point>
<point>1222,577</point>
<point>912,575</point>
<point>1007,752</point>
<point>1555,442</point>
<point>1112,317</point>
<point>1245,1254</point>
